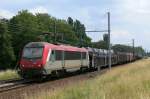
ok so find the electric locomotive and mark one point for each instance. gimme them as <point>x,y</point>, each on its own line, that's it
<point>40,59</point>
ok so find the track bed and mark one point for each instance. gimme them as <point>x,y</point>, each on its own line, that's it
<point>51,85</point>
<point>20,93</point>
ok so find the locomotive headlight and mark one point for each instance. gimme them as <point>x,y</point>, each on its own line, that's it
<point>22,65</point>
<point>40,65</point>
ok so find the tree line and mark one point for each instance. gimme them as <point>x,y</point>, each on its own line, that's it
<point>26,27</point>
<point>104,44</point>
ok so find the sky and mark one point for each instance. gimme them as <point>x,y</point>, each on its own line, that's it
<point>130,19</point>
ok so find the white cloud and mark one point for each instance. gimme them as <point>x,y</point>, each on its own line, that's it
<point>121,37</point>
<point>132,18</point>
<point>134,11</point>
<point>38,9</point>
<point>120,34</point>
<point>6,14</point>
<point>129,18</point>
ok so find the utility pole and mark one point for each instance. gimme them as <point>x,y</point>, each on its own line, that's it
<point>133,48</point>
<point>62,37</point>
<point>109,42</point>
<point>81,40</point>
<point>55,31</point>
<point>145,52</point>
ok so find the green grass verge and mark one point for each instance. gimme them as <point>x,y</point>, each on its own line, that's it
<point>131,81</point>
<point>9,74</point>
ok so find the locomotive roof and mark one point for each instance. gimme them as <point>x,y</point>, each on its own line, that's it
<point>56,47</point>
<point>35,44</point>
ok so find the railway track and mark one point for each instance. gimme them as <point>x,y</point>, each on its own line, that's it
<point>9,81</point>
<point>13,84</point>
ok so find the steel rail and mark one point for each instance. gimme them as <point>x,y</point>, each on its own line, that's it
<point>14,85</point>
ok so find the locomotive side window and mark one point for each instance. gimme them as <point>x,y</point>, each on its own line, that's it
<point>83,55</point>
<point>58,55</point>
<point>52,58</point>
<point>72,55</point>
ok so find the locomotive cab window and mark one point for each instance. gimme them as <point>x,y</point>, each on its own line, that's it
<point>32,52</point>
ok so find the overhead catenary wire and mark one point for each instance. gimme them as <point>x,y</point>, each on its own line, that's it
<point>109,42</point>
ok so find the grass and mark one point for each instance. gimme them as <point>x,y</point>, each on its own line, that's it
<point>131,81</point>
<point>8,74</point>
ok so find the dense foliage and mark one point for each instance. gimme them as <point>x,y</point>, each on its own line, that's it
<point>148,54</point>
<point>26,27</point>
<point>124,48</point>
<point>103,44</point>
<point>6,50</point>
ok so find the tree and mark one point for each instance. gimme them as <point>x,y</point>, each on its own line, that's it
<point>79,29</point>
<point>45,22</point>
<point>70,21</point>
<point>124,48</point>
<point>26,27</point>
<point>6,50</point>
<point>105,37</point>
<point>139,51</point>
<point>102,44</point>
<point>23,28</point>
<point>46,25</point>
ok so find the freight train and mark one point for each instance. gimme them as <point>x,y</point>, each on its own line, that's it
<point>40,59</point>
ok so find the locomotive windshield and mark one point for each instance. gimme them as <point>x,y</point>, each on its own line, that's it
<point>32,53</point>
